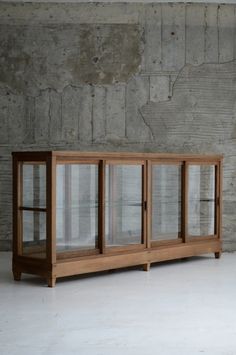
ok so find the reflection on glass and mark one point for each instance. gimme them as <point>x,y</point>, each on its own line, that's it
<point>123,205</point>
<point>34,234</point>
<point>201,203</point>
<point>34,185</point>
<point>77,207</point>
<point>166,202</point>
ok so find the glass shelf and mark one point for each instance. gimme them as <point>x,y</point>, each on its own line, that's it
<point>108,204</point>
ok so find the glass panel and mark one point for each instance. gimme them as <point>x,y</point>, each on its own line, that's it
<point>123,205</point>
<point>77,207</point>
<point>34,234</point>
<point>201,200</point>
<point>166,202</point>
<point>34,185</point>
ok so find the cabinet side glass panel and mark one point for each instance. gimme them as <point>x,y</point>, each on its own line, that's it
<point>76,207</point>
<point>201,200</point>
<point>33,209</point>
<point>123,205</point>
<point>166,202</point>
<point>34,234</point>
<point>34,185</point>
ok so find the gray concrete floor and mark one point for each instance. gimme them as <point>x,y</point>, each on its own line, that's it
<point>182,307</point>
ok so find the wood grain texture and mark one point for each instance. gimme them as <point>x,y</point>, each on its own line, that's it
<point>74,267</point>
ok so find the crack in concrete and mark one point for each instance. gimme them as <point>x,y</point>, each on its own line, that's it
<point>48,90</point>
<point>61,91</point>
<point>146,124</point>
<point>196,66</point>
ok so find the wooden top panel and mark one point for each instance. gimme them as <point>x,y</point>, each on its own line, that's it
<point>32,156</point>
<point>115,155</point>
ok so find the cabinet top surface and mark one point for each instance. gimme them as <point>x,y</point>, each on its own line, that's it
<point>119,155</point>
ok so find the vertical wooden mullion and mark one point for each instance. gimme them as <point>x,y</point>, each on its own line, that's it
<point>216,207</point>
<point>149,203</point>
<point>36,199</point>
<point>115,207</point>
<point>144,205</point>
<point>219,207</point>
<point>51,209</point>
<point>17,213</point>
<point>101,207</point>
<point>184,202</point>
<point>68,205</point>
<point>20,212</point>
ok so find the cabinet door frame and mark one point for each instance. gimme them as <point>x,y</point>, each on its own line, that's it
<point>129,247</point>
<point>217,204</point>
<point>81,252</point>
<point>170,162</point>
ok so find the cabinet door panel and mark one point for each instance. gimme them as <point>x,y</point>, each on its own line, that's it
<point>201,200</point>
<point>166,202</point>
<point>77,207</point>
<point>123,205</point>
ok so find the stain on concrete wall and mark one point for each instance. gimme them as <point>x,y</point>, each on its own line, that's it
<point>108,54</point>
<point>40,57</point>
<point>118,77</point>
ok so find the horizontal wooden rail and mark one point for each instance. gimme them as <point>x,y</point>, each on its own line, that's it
<point>33,209</point>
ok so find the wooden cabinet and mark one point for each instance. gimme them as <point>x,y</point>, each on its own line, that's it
<point>76,212</point>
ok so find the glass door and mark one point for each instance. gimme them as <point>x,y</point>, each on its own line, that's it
<point>202,200</point>
<point>166,202</point>
<point>77,208</point>
<point>124,205</point>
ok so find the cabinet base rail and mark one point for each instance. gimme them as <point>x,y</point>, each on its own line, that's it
<point>102,262</point>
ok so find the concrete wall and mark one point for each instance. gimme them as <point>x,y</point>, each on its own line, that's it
<point>130,77</point>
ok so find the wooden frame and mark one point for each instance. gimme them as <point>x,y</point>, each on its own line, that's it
<point>156,243</point>
<point>51,264</point>
<point>142,245</point>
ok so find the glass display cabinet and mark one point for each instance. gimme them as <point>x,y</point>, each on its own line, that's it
<point>77,212</point>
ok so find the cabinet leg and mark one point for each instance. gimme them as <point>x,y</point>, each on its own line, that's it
<point>218,254</point>
<point>146,267</point>
<point>51,281</point>
<point>17,275</point>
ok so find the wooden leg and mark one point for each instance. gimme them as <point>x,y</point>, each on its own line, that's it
<point>17,275</point>
<point>51,281</point>
<point>218,254</point>
<point>146,267</point>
